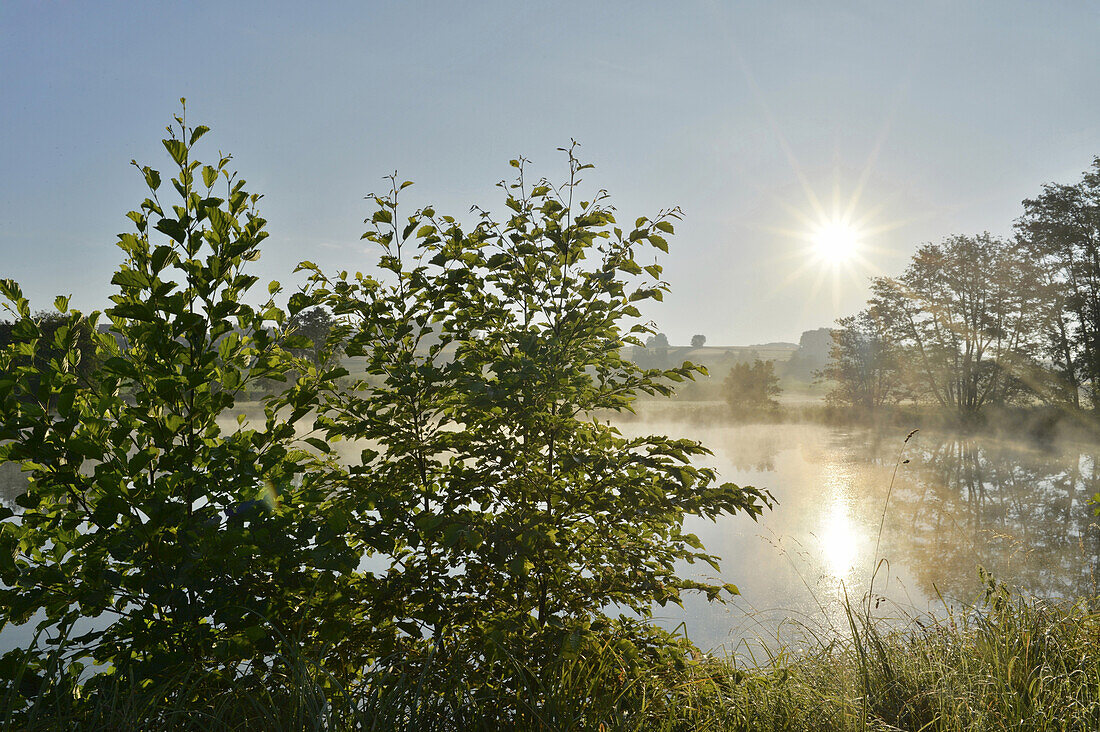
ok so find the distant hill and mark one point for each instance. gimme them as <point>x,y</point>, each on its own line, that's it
<point>718,359</point>
<point>776,345</point>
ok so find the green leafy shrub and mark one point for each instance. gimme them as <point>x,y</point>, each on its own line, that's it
<point>189,545</point>
<point>508,524</point>
<point>51,347</point>
<point>751,387</point>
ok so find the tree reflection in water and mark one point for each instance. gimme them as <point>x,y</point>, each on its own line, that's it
<point>1017,511</point>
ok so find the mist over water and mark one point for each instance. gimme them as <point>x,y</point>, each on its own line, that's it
<point>1017,509</point>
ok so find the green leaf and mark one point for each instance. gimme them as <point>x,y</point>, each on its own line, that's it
<point>321,445</point>
<point>177,150</point>
<point>28,500</point>
<point>160,257</point>
<point>172,228</point>
<point>197,133</point>
<point>129,278</point>
<point>107,511</point>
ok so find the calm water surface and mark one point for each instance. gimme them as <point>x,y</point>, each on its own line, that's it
<point>1015,509</point>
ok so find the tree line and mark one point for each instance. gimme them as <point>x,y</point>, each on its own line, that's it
<point>977,321</point>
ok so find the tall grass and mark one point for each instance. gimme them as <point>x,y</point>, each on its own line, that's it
<point>1008,665</point>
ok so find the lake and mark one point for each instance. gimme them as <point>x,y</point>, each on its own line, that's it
<point>1017,509</point>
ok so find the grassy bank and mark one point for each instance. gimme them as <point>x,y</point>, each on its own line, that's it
<point>1010,664</point>
<point>1005,664</point>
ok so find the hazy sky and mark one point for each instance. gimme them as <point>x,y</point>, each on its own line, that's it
<point>948,113</point>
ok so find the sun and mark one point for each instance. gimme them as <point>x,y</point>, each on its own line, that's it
<point>835,241</point>
<point>831,246</point>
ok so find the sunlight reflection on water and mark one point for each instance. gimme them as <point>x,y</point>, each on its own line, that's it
<point>959,504</point>
<point>838,534</point>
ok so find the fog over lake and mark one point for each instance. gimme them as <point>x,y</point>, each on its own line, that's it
<point>1015,508</point>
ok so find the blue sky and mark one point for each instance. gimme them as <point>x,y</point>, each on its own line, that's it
<point>944,114</point>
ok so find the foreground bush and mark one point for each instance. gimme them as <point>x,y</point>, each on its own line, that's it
<point>185,544</point>
<point>492,525</point>
<point>503,517</point>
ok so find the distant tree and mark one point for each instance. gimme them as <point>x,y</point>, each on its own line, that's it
<point>659,340</point>
<point>309,331</point>
<point>813,353</point>
<point>698,341</point>
<point>864,364</point>
<point>968,313</point>
<point>979,320</point>
<point>752,386</point>
<point>1061,228</point>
